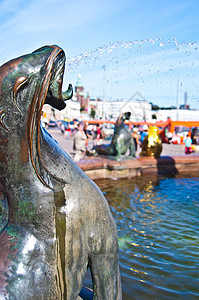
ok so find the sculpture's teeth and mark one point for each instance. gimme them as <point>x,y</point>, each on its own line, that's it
<point>68,94</point>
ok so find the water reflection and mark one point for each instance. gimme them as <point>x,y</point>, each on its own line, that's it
<point>157,220</point>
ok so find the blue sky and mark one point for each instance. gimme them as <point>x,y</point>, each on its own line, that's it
<point>119,47</point>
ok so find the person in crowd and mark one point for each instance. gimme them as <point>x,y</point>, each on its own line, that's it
<point>169,137</point>
<point>98,132</point>
<point>188,143</point>
<point>94,131</point>
<point>62,127</point>
<point>75,127</point>
<point>68,132</point>
<point>89,136</point>
<point>135,138</point>
<point>194,136</point>
<point>79,142</point>
<point>89,141</point>
<point>144,133</point>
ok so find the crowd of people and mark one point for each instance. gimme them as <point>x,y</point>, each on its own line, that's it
<point>86,136</point>
<point>83,138</point>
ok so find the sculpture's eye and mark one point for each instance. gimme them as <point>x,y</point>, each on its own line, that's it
<point>2,115</point>
<point>19,84</point>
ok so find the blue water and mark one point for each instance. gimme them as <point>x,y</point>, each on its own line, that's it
<point>158,228</point>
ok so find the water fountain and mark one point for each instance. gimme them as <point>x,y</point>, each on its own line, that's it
<point>156,215</point>
<point>151,66</point>
<point>141,207</point>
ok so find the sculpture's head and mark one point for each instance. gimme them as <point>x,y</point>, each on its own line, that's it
<point>26,84</point>
<point>122,118</point>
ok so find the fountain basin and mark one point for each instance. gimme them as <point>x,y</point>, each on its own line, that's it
<point>157,221</point>
<point>101,167</point>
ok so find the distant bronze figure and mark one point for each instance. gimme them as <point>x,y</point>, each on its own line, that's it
<point>121,142</point>
<point>152,143</point>
<point>54,220</point>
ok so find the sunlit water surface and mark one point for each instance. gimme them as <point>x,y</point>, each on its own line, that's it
<point>158,222</point>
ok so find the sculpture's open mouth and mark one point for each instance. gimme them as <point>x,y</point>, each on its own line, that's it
<point>49,89</point>
<point>55,64</point>
<point>48,92</point>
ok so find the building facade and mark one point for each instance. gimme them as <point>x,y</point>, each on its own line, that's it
<point>81,107</point>
<point>177,115</point>
<point>139,107</point>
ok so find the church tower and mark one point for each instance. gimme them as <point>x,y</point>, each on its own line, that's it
<point>79,90</point>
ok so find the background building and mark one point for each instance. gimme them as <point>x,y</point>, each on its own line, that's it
<point>175,115</point>
<point>80,96</point>
<point>70,112</point>
<point>82,107</point>
<point>139,107</point>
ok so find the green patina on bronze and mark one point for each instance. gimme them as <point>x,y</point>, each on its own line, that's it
<point>55,221</point>
<point>121,142</point>
<point>26,212</point>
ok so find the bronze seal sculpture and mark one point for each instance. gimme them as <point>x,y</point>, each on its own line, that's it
<point>55,222</point>
<point>121,142</point>
<point>152,143</point>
